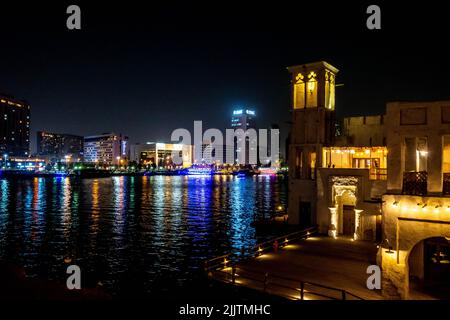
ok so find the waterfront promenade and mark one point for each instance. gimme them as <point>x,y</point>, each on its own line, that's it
<point>337,266</point>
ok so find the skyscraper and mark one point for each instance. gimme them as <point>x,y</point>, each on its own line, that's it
<point>58,146</point>
<point>14,127</point>
<point>245,120</point>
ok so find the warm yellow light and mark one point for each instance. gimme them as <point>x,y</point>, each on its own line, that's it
<point>311,86</point>
<point>367,151</point>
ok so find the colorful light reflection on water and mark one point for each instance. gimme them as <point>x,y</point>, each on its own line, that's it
<point>131,231</point>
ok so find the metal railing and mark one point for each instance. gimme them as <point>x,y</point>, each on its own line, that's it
<point>231,258</point>
<point>378,174</point>
<point>446,184</point>
<point>224,268</point>
<point>269,283</point>
<point>415,183</point>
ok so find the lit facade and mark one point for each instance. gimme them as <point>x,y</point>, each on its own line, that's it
<point>244,119</point>
<point>106,149</point>
<point>14,127</point>
<point>337,178</point>
<point>160,155</point>
<point>380,178</point>
<point>25,163</point>
<point>415,253</point>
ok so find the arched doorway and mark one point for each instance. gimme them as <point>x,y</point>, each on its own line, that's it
<point>348,213</point>
<point>429,267</point>
<point>345,202</point>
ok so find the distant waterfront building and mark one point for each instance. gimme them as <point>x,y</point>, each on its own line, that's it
<point>217,154</point>
<point>108,148</point>
<point>160,155</point>
<point>275,138</point>
<point>57,147</point>
<point>14,127</point>
<point>244,119</point>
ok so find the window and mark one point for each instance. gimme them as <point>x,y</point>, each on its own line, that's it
<point>299,92</point>
<point>329,90</point>
<point>311,97</point>
<point>312,164</point>
<point>416,154</point>
<point>446,155</point>
<point>298,163</point>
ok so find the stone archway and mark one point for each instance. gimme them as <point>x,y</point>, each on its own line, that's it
<point>344,217</point>
<point>345,201</point>
<point>405,258</point>
<point>429,268</point>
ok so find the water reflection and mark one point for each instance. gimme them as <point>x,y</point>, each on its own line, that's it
<point>125,231</point>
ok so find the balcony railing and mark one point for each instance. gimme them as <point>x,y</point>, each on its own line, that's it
<point>446,184</point>
<point>378,174</point>
<point>415,183</point>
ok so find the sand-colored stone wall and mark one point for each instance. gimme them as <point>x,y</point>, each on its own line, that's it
<point>407,220</point>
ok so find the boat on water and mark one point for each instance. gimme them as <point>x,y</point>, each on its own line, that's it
<point>198,170</point>
<point>269,171</point>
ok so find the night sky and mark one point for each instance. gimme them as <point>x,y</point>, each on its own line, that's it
<point>146,70</point>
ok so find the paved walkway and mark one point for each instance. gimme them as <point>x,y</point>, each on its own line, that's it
<point>338,263</point>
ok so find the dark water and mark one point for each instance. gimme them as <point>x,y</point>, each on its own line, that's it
<point>131,232</point>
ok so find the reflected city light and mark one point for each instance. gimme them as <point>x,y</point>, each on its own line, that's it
<point>164,225</point>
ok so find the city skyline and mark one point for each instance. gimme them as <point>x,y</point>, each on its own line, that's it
<point>239,155</point>
<point>125,72</point>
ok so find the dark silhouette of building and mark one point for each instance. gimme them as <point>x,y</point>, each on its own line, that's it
<point>14,126</point>
<point>58,146</point>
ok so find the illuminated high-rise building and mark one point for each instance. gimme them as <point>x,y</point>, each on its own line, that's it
<point>108,148</point>
<point>244,119</point>
<point>14,127</point>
